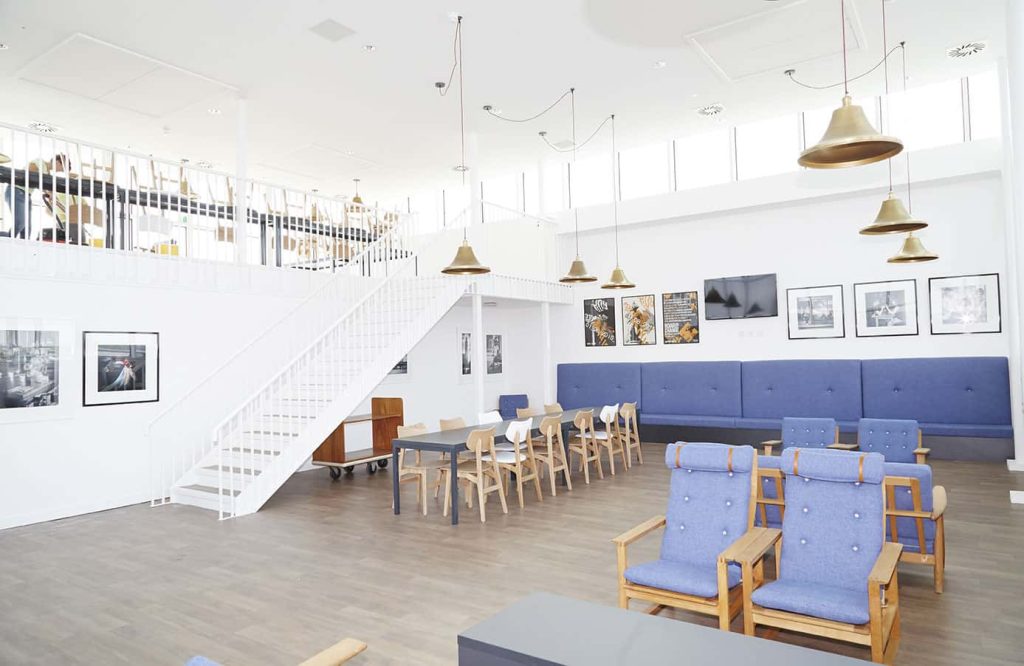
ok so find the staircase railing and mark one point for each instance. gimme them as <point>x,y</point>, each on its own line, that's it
<point>179,436</point>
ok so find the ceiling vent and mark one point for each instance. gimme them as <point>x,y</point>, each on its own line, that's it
<point>43,128</point>
<point>711,110</point>
<point>332,31</point>
<point>966,50</point>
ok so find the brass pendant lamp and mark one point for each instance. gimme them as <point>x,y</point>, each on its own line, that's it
<point>912,252</point>
<point>850,140</point>
<point>618,279</point>
<point>577,270</point>
<point>465,261</point>
<point>357,199</point>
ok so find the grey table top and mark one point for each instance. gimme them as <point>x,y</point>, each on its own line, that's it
<point>457,438</point>
<point>549,629</point>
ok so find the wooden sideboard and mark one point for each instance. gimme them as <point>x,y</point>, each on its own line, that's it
<point>386,414</point>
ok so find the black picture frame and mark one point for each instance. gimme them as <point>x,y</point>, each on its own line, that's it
<point>859,286</point>
<point>604,310</point>
<point>932,310</point>
<point>86,374</point>
<point>841,310</point>
<point>627,330</point>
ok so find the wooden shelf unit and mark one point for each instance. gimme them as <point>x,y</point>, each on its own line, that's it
<point>386,414</point>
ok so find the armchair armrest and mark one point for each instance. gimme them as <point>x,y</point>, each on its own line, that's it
<point>752,546</point>
<point>338,653</point>
<point>770,444</point>
<point>921,455</point>
<point>641,530</point>
<point>844,447</point>
<point>885,565</point>
<point>938,501</point>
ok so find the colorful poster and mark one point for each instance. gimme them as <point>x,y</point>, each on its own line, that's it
<point>638,322</point>
<point>679,318</point>
<point>599,322</point>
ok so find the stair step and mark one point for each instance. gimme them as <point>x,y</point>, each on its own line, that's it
<point>259,452</point>
<point>233,470</point>
<point>278,433</point>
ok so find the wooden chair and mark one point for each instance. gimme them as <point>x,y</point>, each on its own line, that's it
<point>807,433</point>
<point>914,509</point>
<point>838,575</point>
<point>585,445</point>
<point>448,424</point>
<point>711,506</point>
<point>516,457</point>
<point>631,433</point>
<point>418,471</point>
<point>486,478</point>
<point>552,452</point>
<point>611,437</point>
<point>553,408</point>
<point>899,440</point>
<point>528,412</point>
<point>337,654</point>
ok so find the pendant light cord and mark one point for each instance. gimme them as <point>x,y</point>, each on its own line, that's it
<point>615,198</point>
<point>846,78</point>
<point>811,86</point>
<point>885,59</point>
<point>575,210</point>
<point>462,105</point>
<point>490,110</point>
<point>555,148</point>
<point>903,47</point>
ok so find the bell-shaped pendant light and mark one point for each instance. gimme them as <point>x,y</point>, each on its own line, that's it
<point>465,262</point>
<point>577,271</point>
<point>912,252</point>
<point>357,199</point>
<point>850,140</point>
<point>893,218</point>
<point>618,279</point>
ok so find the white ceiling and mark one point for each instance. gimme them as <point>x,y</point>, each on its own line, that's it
<point>321,109</point>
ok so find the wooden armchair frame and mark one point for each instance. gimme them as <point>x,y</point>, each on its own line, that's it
<point>937,559</point>
<point>339,653</point>
<point>882,631</point>
<point>763,502</point>
<point>726,605</point>
<point>630,434</point>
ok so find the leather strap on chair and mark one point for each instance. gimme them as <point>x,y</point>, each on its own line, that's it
<point>860,469</point>
<point>679,447</point>
<point>729,460</point>
<point>796,463</point>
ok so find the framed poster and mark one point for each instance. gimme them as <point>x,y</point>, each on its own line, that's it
<point>599,322</point>
<point>120,368</point>
<point>680,318</point>
<point>816,312</point>
<point>638,321</point>
<point>466,352</point>
<point>35,368</point>
<point>965,304</point>
<point>494,354</point>
<point>886,308</point>
<point>402,367</point>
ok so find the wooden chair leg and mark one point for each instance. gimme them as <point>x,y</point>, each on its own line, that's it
<point>723,595</point>
<point>875,624</point>
<point>748,604</point>
<point>501,495</point>
<point>611,457</point>
<point>564,465</point>
<point>482,499</point>
<point>421,491</point>
<point>597,459</point>
<point>939,547</point>
<point>447,496</point>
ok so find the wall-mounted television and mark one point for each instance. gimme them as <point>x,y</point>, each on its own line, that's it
<point>741,297</point>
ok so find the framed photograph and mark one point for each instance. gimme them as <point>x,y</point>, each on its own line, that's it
<point>466,352</point>
<point>679,318</point>
<point>965,304</point>
<point>120,368</point>
<point>816,312</point>
<point>886,308</point>
<point>494,354</point>
<point>638,321</point>
<point>599,322</point>
<point>35,368</point>
<point>402,367</point>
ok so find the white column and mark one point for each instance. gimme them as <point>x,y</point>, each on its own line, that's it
<point>545,353</point>
<point>479,345</point>
<point>1013,180</point>
<point>241,180</point>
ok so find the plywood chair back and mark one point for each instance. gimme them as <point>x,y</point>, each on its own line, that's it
<point>585,444</point>
<point>518,457</point>
<point>611,438</point>
<point>914,510</point>
<point>527,412</point>
<point>631,432</point>
<point>409,431</point>
<point>710,508</point>
<point>453,423</point>
<point>518,432</point>
<point>482,471</point>
<point>551,451</point>
<point>553,408</point>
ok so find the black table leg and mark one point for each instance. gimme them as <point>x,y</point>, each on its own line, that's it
<point>454,480</point>
<point>395,494</point>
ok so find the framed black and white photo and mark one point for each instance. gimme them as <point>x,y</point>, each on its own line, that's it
<point>495,355</point>
<point>120,367</point>
<point>599,322</point>
<point>965,304</point>
<point>680,318</point>
<point>638,321</point>
<point>35,368</point>
<point>886,308</point>
<point>402,367</point>
<point>466,352</point>
<point>816,312</point>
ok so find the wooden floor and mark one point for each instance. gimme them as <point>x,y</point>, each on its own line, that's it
<point>325,560</point>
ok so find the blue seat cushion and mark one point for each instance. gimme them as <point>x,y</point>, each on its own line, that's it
<point>697,420</point>
<point>682,577</point>
<point>814,599</point>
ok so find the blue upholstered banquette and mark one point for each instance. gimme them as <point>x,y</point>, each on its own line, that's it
<point>692,393</point>
<point>595,384</point>
<point>773,390</point>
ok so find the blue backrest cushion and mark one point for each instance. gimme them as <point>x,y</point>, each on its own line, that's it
<point>508,404</point>
<point>907,527</point>
<point>968,390</point>
<point>705,388</point>
<point>896,439</point>
<point>833,529</point>
<point>776,389</point>
<point>595,384</point>
<point>811,433</point>
<point>708,505</point>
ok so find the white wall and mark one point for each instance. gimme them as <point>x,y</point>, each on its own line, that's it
<point>807,243</point>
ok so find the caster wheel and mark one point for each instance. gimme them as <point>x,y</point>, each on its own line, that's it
<point>371,468</point>
<point>335,473</point>
<point>349,470</point>
<point>383,464</point>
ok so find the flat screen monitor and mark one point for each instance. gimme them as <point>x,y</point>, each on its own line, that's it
<point>741,297</point>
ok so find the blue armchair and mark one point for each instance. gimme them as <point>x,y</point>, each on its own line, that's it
<point>808,433</point>
<point>899,440</point>
<point>914,511</point>
<point>836,573</point>
<point>710,505</point>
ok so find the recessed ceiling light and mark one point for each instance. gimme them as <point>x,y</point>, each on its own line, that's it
<point>711,110</point>
<point>213,111</point>
<point>369,48</point>
<point>660,64</point>
<point>44,128</point>
<point>966,50</point>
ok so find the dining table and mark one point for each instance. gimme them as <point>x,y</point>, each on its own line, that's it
<point>453,442</point>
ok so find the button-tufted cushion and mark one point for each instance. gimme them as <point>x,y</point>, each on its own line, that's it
<point>832,534</point>
<point>682,577</point>
<point>592,384</point>
<point>697,388</point>
<point>811,433</point>
<point>827,388</point>
<point>768,488</point>
<point>895,439</point>
<point>906,528</point>
<point>508,404</point>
